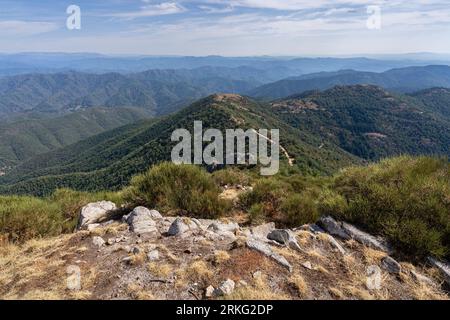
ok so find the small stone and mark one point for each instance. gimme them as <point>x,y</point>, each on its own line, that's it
<point>421,278</point>
<point>135,250</point>
<point>110,241</point>
<point>391,265</point>
<point>98,241</point>
<point>92,226</point>
<point>257,274</point>
<point>209,292</point>
<point>153,255</point>
<point>225,289</point>
<point>307,265</point>
<point>242,283</point>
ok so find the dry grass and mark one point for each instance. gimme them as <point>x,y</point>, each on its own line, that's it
<point>358,293</point>
<point>372,256</point>
<point>335,292</point>
<point>159,270</point>
<point>138,293</point>
<point>300,285</point>
<point>259,290</point>
<point>138,259</point>
<point>221,256</point>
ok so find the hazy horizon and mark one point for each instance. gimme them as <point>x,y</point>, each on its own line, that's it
<point>233,28</point>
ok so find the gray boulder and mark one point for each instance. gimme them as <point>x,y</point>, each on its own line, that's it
<point>443,267</point>
<point>219,227</point>
<point>365,238</point>
<point>95,212</point>
<point>181,226</point>
<point>141,220</point>
<point>333,227</point>
<point>261,231</point>
<point>390,265</point>
<point>285,237</point>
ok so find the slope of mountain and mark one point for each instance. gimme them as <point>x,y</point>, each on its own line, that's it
<point>280,67</point>
<point>23,139</point>
<point>110,159</point>
<point>437,99</point>
<point>158,91</point>
<point>402,80</point>
<point>368,121</point>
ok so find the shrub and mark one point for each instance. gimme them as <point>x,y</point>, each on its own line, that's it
<point>231,177</point>
<point>406,199</point>
<point>299,209</point>
<point>23,218</point>
<point>269,193</point>
<point>169,186</point>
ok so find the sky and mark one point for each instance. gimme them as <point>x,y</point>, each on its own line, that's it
<point>228,28</point>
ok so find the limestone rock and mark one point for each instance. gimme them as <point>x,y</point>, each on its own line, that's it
<point>225,289</point>
<point>390,265</point>
<point>180,226</point>
<point>307,265</point>
<point>153,255</point>
<point>333,227</point>
<point>285,237</point>
<point>209,292</point>
<point>261,231</point>
<point>365,238</point>
<point>443,267</point>
<point>94,213</point>
<point>98,241</point>
<point>267,251</point>
<point>141,220</point>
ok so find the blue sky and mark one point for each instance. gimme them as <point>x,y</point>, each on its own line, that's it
<point>230,28</point>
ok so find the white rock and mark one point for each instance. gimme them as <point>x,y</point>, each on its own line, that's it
<point>261,231</point>
<point>307,265</point>
<point>180,226</point>
<point>209,292</point>
<point>443,267</point>
<point>263,248</point>
<point>141,220</point>
<point>98,241</point>
<point>421,278</point>
<point>153,255</point>
<point>92,226</point>
<point>225,289</point>
<point>95,212</point>
<point>365,238</point>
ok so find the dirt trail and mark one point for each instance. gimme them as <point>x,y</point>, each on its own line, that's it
<point>290,159</point>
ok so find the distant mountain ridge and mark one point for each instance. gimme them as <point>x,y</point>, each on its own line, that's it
<point>20,140</point>
<point>401,80</point>
<point>157,91</point>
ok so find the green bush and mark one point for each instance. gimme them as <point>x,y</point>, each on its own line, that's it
<point>23,218</point>
<point>406,199</point>
<point>230,176</point>
<point>177,187</point>
<point>269,193</point>
<point>299,209</point>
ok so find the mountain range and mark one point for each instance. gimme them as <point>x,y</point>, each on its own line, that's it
<point>322,131</point>
<point>408,79</point>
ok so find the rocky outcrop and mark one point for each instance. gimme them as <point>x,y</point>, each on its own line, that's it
<point>141,220</point>
<point>347,231</point>
<point>95,212</point>
<point>265,249</point>
<point>333,227</point>
<point>443,267</point>
<point>390,265</point>
<point>182,225</point>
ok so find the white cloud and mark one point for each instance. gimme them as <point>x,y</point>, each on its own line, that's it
<point>25,28</point>
<point>161,9</point>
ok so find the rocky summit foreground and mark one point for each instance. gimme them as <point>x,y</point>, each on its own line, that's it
<point>145,255</point>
